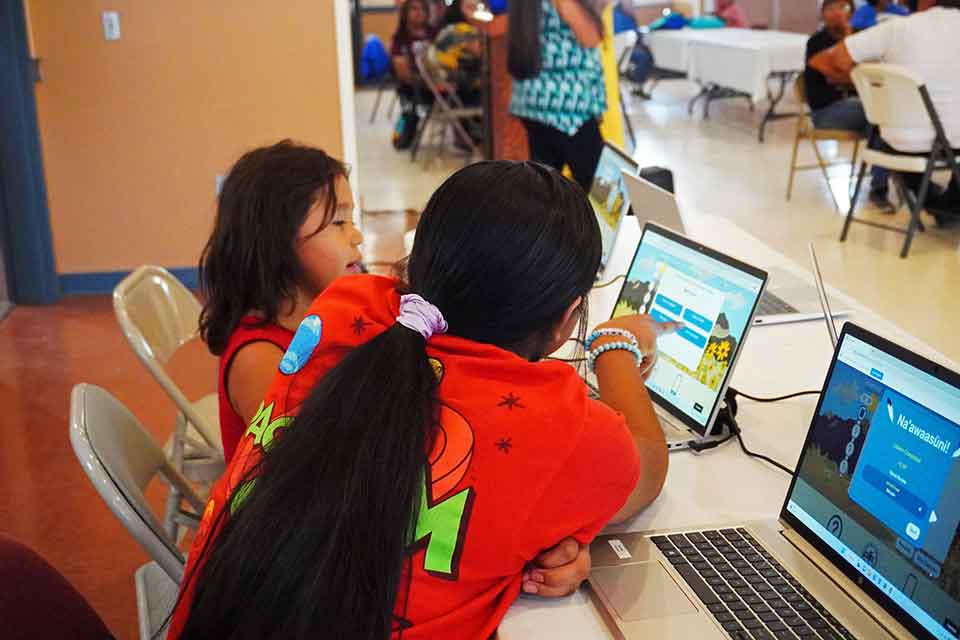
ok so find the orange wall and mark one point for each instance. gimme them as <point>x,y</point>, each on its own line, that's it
<point>134,131</point>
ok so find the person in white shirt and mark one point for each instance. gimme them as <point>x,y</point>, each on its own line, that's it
<point>928,43</point>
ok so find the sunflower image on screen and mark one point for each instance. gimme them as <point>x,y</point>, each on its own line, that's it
<point>716,357</point>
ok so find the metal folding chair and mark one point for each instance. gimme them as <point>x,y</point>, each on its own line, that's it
<point>807,131</point>
<point>447,108</point>
<point>158,315</point>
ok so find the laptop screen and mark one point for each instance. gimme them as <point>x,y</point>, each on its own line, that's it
<point>608,195</point>
<point>674,278</point>
<point>878,483</point>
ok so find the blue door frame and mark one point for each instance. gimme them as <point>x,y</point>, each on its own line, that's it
<point>24,218</point>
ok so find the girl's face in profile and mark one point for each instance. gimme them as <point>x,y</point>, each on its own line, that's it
<point>328,253</point>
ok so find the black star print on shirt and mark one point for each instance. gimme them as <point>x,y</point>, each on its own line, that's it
<point>359,325</point>
<point>511,402</point>
<point>504,444</point>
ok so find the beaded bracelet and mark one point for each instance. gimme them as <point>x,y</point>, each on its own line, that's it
<point>612,346</point>
<point>599,333</point>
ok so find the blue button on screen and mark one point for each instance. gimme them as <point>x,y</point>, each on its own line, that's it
<point>697,320</point>
<point>692,336</point>
<point>672,306</point>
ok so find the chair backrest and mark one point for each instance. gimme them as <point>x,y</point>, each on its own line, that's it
<point>158,315</point>
<point>800,91</point>
<point>121,459</point>
<point>891,96</point>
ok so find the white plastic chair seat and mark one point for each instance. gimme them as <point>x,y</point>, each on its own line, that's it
<point>896,162</point>
<point>156,595</point>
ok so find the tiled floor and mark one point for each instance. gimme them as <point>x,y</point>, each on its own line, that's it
<point>46,501</point>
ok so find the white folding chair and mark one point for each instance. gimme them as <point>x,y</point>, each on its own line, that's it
<point>158,315</point>
<point>121,459</point>
<point>895,97</point>
<point>447,107</point>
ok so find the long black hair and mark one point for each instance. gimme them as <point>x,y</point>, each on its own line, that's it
<point>524,33</point>
<point>249,262</point>
<point>319,535</point>
<point>402,25</point>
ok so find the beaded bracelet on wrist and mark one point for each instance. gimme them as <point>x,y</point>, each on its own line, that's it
<point>593,354</point>
<point>611,332</point>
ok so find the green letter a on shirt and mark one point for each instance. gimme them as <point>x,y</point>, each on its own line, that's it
<point>443,528</point>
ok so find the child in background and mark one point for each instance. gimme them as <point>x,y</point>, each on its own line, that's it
<point>732,14</point>
<point>420,452</point>
<point>283,232</point>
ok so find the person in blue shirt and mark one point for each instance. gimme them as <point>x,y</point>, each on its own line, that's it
<point>866,16</point>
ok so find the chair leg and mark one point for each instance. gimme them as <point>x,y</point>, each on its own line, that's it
<point>793,163</point>
<point>825,172</point>
<point>853,202</point>
<point>913,203</point>
<point>419,135</point>
<point>626,120</point>
<point>853,163</point>
<point>376,104</point>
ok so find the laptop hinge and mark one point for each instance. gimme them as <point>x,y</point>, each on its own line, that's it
<point>855,593</point>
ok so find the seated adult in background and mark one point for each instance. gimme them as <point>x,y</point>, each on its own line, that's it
<point>834,106</point>
<point>927,43</point>
<point>867,15</point>
<point>733,14</point>
<point>414,27</point>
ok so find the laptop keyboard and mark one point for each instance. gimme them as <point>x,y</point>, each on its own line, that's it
<point>750,594</point>
<point>773,305</point>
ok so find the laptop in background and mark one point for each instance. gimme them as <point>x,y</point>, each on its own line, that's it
<point>787,297</point>
<point>867,542</point>
<point>608,196</point>
<point>653,204</point>
<point>674,278</point>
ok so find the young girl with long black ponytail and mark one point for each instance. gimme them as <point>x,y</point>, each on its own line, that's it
<point>417,451</point>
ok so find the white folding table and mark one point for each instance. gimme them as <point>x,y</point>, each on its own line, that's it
<point>721,486</point>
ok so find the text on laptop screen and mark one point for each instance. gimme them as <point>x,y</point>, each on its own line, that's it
<point>879,480</point>
<point>608,195</point>
<point>714,300</point>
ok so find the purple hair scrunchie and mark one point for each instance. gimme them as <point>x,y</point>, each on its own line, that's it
<point>419,315</point>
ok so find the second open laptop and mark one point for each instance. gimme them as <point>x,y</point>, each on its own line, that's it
<point>673,278</point>
<point>787,297</point>
<point>866,544</point>
<point>608,195</point>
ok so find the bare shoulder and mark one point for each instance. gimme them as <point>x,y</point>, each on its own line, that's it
<point>250,374</point>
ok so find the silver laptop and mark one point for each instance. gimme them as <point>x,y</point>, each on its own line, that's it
<point>787,297</point>
<point>674,278</point>
<point>866,544</point>
<point>608,196</point>
<point>652,204</point>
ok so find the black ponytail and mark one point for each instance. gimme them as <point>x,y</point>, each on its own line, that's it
<point>523,39</point>
<point>320,530</point>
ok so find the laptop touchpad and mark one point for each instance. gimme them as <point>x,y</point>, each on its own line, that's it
<point>641,591</point>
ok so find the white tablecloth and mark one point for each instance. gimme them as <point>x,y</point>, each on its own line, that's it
<point>740,59</point>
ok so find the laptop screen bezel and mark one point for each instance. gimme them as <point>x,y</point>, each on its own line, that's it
<point>626,197</point>
<point>750,270</point>
<point>872,591</point>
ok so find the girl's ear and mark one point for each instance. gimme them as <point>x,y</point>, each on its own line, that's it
<point>564,328</point>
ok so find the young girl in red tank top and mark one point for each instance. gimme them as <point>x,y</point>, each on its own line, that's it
<point>283,232</point>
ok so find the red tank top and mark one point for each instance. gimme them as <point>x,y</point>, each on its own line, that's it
<point>232,425</point>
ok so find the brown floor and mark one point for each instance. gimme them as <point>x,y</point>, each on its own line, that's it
<point>46,500</point>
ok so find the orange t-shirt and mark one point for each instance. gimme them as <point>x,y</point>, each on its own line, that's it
<point>523,459</point>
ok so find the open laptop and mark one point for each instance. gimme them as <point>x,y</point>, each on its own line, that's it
<point>674,278</point>
<point>653,204</point>
<point>822,294</point>
<point>866,544</point>
<point>787,297</point>
<point>608,195</point>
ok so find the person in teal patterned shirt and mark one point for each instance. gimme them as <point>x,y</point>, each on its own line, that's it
<point>558,84</point>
